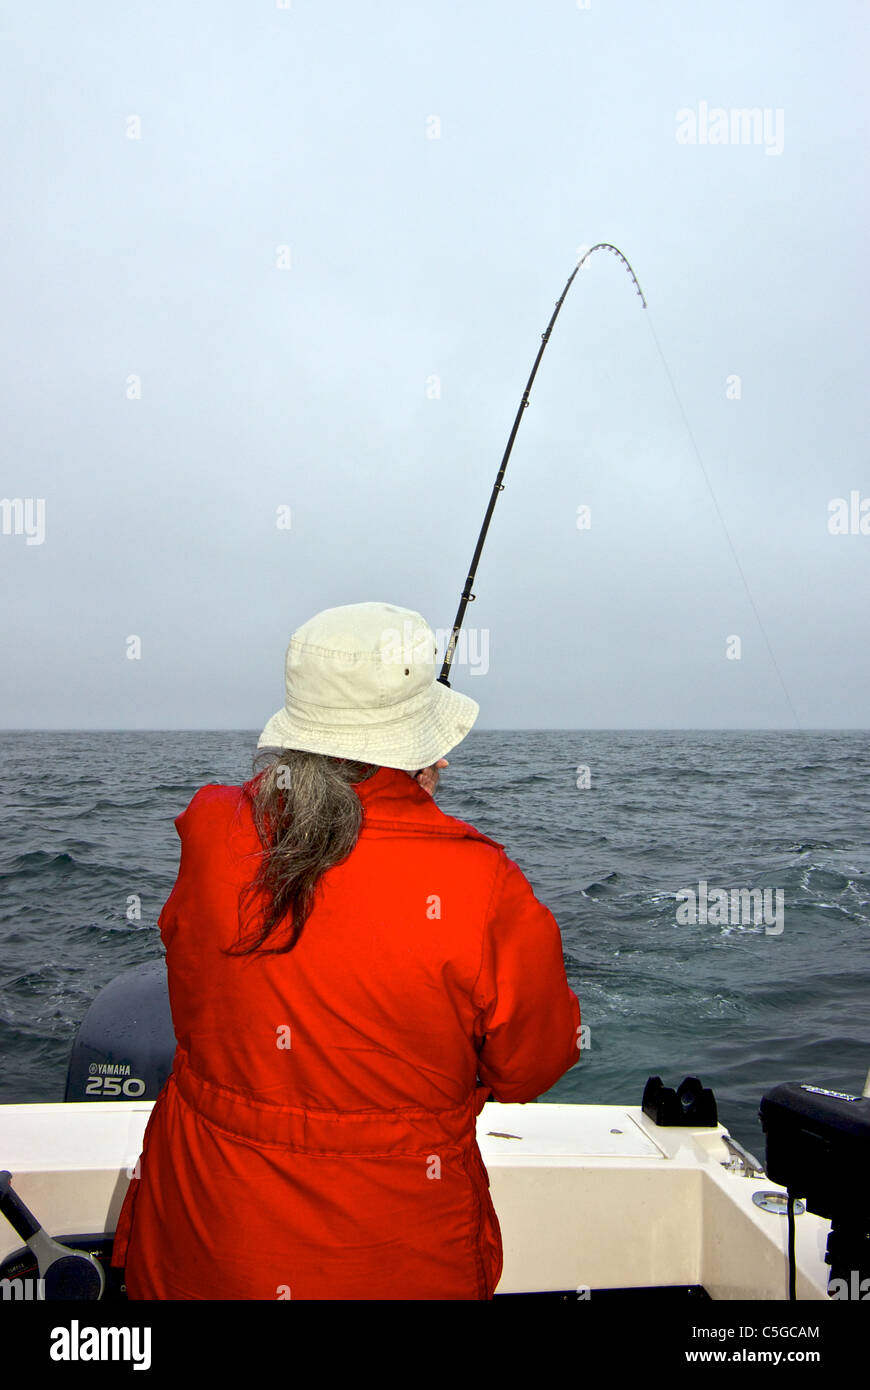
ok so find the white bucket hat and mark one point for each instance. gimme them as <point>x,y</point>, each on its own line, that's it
<point>361,684</point>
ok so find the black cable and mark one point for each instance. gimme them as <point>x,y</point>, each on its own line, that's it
<point>792,1271</point>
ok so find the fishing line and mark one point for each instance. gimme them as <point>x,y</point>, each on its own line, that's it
<point>731,546</point>
<point>498,486</point>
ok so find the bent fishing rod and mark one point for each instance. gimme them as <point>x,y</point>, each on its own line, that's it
<point>498,485</point>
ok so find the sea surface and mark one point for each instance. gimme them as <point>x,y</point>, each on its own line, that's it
<point>742,1000</point>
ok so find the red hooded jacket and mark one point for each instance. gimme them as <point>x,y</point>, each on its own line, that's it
<point>316,1137</point>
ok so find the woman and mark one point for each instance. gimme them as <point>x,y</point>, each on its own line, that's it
<point>351,973</point>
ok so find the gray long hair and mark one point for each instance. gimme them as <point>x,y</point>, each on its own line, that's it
<point>308,817</point>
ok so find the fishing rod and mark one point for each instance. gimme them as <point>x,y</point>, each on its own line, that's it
<point>498,485</point>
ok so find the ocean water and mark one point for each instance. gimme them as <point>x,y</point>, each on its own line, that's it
<point>742,1000</point>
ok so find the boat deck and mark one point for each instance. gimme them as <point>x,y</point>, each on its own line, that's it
<point>589,1198</point>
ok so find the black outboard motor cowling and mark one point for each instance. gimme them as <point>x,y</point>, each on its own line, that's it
<point>124,1047</point>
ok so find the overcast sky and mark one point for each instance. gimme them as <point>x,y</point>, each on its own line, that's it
<point>274,278</point>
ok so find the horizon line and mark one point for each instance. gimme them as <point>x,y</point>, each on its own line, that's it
<point>492,729</point>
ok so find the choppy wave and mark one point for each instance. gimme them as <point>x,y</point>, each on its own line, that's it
<point>89,859</point>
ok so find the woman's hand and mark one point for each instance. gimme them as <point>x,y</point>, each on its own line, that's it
<point>427,777</point>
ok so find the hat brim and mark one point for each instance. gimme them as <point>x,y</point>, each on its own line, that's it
<point>408,743</point>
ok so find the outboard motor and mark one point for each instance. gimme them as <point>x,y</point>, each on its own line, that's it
<point>123,1050</point>
<point>124,1047</point>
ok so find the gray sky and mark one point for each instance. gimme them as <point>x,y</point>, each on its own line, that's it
<point>432,170</point>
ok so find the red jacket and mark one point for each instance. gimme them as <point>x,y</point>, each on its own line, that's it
<point>316,1138</point>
